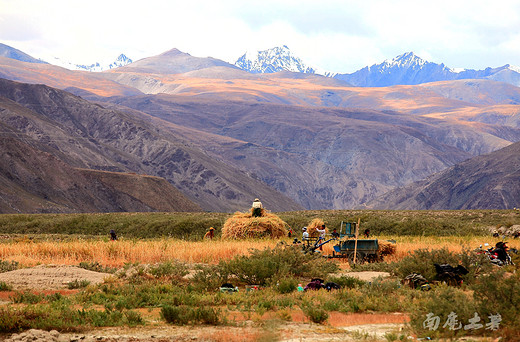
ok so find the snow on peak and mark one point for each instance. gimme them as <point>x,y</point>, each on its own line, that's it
<point>514,68</point>
<point>120,61</point>
<point>406,60</point>
<point>272,60</point>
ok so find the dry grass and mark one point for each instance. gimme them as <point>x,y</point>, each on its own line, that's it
<point>117,253</point>
<point>313,225</point>
<point>244,225</point>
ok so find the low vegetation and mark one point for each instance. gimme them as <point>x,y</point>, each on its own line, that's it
<point>178,281</point>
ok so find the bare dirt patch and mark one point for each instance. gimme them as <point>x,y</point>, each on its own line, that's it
<point>49,277</point>
<point>366,275</point>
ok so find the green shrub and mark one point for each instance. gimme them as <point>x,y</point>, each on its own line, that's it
<point>96,267</point>
<point>315,314</point>
<point>422,261</point>
<point>5,287</point>
<point>181,315</point>
<point>77,284</point>
<point>169,270</point>
<point>287,285</point>
<point>263,265</point>
<point>437,306</point>
<point>6,266</point>
<point>499,293</point>
<point>209,277</point>
<point>26,297</point>
<point>132,318</point>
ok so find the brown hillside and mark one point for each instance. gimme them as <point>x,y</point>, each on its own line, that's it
<point>87,135</point>
<point>32,181</point>
<point>485,182</point>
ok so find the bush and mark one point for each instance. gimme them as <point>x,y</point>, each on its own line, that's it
<point>96,267</point>
<point>442,302</point>
<point>5,287</point>
<point>169,270</point>
<point>77,284</point>
<point>499,292</point>
<point>6,266</point>
<point>264,265</point>
<point>26,297</point>
<point>315,314</point>
<point>422,261</point>
<point>182,315</point>
<point>209,277</point>
<point>287,285</point>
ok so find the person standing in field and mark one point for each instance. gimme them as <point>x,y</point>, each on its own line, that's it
<point>305,235</point>
<point>321,237</point>
<point>257,208</point>
<point>210,233</point>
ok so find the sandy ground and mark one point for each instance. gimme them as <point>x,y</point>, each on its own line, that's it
<point>49,277</point>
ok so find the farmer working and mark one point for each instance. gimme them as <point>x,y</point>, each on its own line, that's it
<point>257,208</point>
<point>322,235</point>
<point>209,234</point>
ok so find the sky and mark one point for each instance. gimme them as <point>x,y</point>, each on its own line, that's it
<point>339,36</point>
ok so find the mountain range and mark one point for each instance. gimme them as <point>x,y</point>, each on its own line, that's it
<point>222,135</point>
<point>405,69</point>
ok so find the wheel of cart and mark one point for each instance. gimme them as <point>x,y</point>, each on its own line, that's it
<point>360,258</point>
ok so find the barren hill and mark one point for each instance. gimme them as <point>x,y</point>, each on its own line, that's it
<point>322,157</point>
<point>87,135</point>
<point>33,181</point>
<point>485,182</point>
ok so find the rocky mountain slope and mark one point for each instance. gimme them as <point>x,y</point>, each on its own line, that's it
<point>322,157</point>
<point>223,136</point>
<point>86,135</point>
<point>485,182</point>
<point>34,181</point>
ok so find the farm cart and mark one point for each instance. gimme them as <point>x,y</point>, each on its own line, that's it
<point>364,250</point>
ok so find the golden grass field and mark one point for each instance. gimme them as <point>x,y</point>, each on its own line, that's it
<point>116,253</point>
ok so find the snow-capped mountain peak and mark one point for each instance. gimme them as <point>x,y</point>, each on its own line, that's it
<point>406,60</point>
<point>120,61</point>
<point>272,60</point>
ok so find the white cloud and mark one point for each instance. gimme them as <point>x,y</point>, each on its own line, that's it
<point>338,35</point>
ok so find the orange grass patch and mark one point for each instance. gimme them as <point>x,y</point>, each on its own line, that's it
<point>339,319</point>
<point>117,253</point>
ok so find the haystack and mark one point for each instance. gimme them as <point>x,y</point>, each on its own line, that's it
<point>386,248</point>
<point>313,225</point>
<point>244,225</point>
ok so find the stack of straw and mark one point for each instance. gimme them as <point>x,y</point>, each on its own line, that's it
<point>386,248</point>
<point>311,227</point>
<point>243,225</point>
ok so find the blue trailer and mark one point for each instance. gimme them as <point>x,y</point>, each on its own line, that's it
<point>367,250</point>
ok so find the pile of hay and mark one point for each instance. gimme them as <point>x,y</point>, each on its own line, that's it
<point>311,227</point>
<point>386,248</point>
<point>244,225</point>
